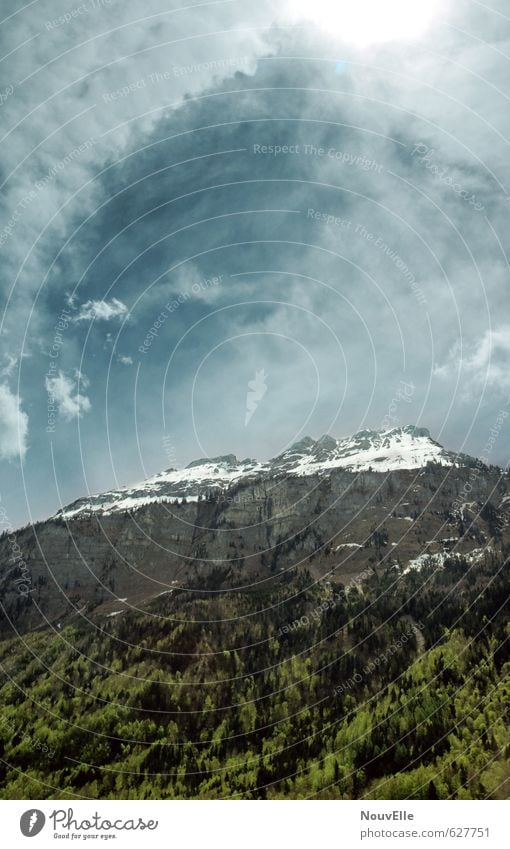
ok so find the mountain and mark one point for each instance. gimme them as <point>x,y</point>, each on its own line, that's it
<point>331,624</point>
<point>338,508</point>
<point>383,451</point>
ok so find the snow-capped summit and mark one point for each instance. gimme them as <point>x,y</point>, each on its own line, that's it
<point>383,451</point>
<point>379,451</point>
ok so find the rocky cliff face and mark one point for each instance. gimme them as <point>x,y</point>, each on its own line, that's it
<point>338,508</point>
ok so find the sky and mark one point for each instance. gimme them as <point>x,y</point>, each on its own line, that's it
<point>225,226</point>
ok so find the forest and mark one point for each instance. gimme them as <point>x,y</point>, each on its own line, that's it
<point>394,688</point>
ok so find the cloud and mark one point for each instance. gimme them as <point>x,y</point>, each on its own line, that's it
<point>13,425</point>
<point>96,107</point>
<point>170,197</point>
<point>64,390</point>
<point>10,365</point>
<point>486,363</point>
<point>102,310</point>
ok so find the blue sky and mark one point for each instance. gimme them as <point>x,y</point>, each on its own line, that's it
<point>194,197</point>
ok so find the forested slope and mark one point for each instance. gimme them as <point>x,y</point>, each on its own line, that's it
<point>397,688</point>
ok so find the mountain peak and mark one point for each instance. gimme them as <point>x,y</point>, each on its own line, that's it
<point>224,460</point>
<point>302,445</point>
<point>413,430</point>
<point>326,441</point>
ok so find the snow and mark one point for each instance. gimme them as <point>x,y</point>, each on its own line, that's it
<point>438,560</point>
<point>406,448</point>
<point>387,451</point>
<point>425,560</point>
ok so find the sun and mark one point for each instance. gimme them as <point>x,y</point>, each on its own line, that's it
<point>365,22</point>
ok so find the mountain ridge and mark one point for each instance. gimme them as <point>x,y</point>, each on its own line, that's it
<point>406,448</point>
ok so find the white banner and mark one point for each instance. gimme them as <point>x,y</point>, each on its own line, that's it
<point>252,825</point>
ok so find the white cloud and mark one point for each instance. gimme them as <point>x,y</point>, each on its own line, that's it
<point>64,390</point>
<point>8,368</point>
<point>486,363</point>
<point>102,310</point>
<point>13,425</point>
